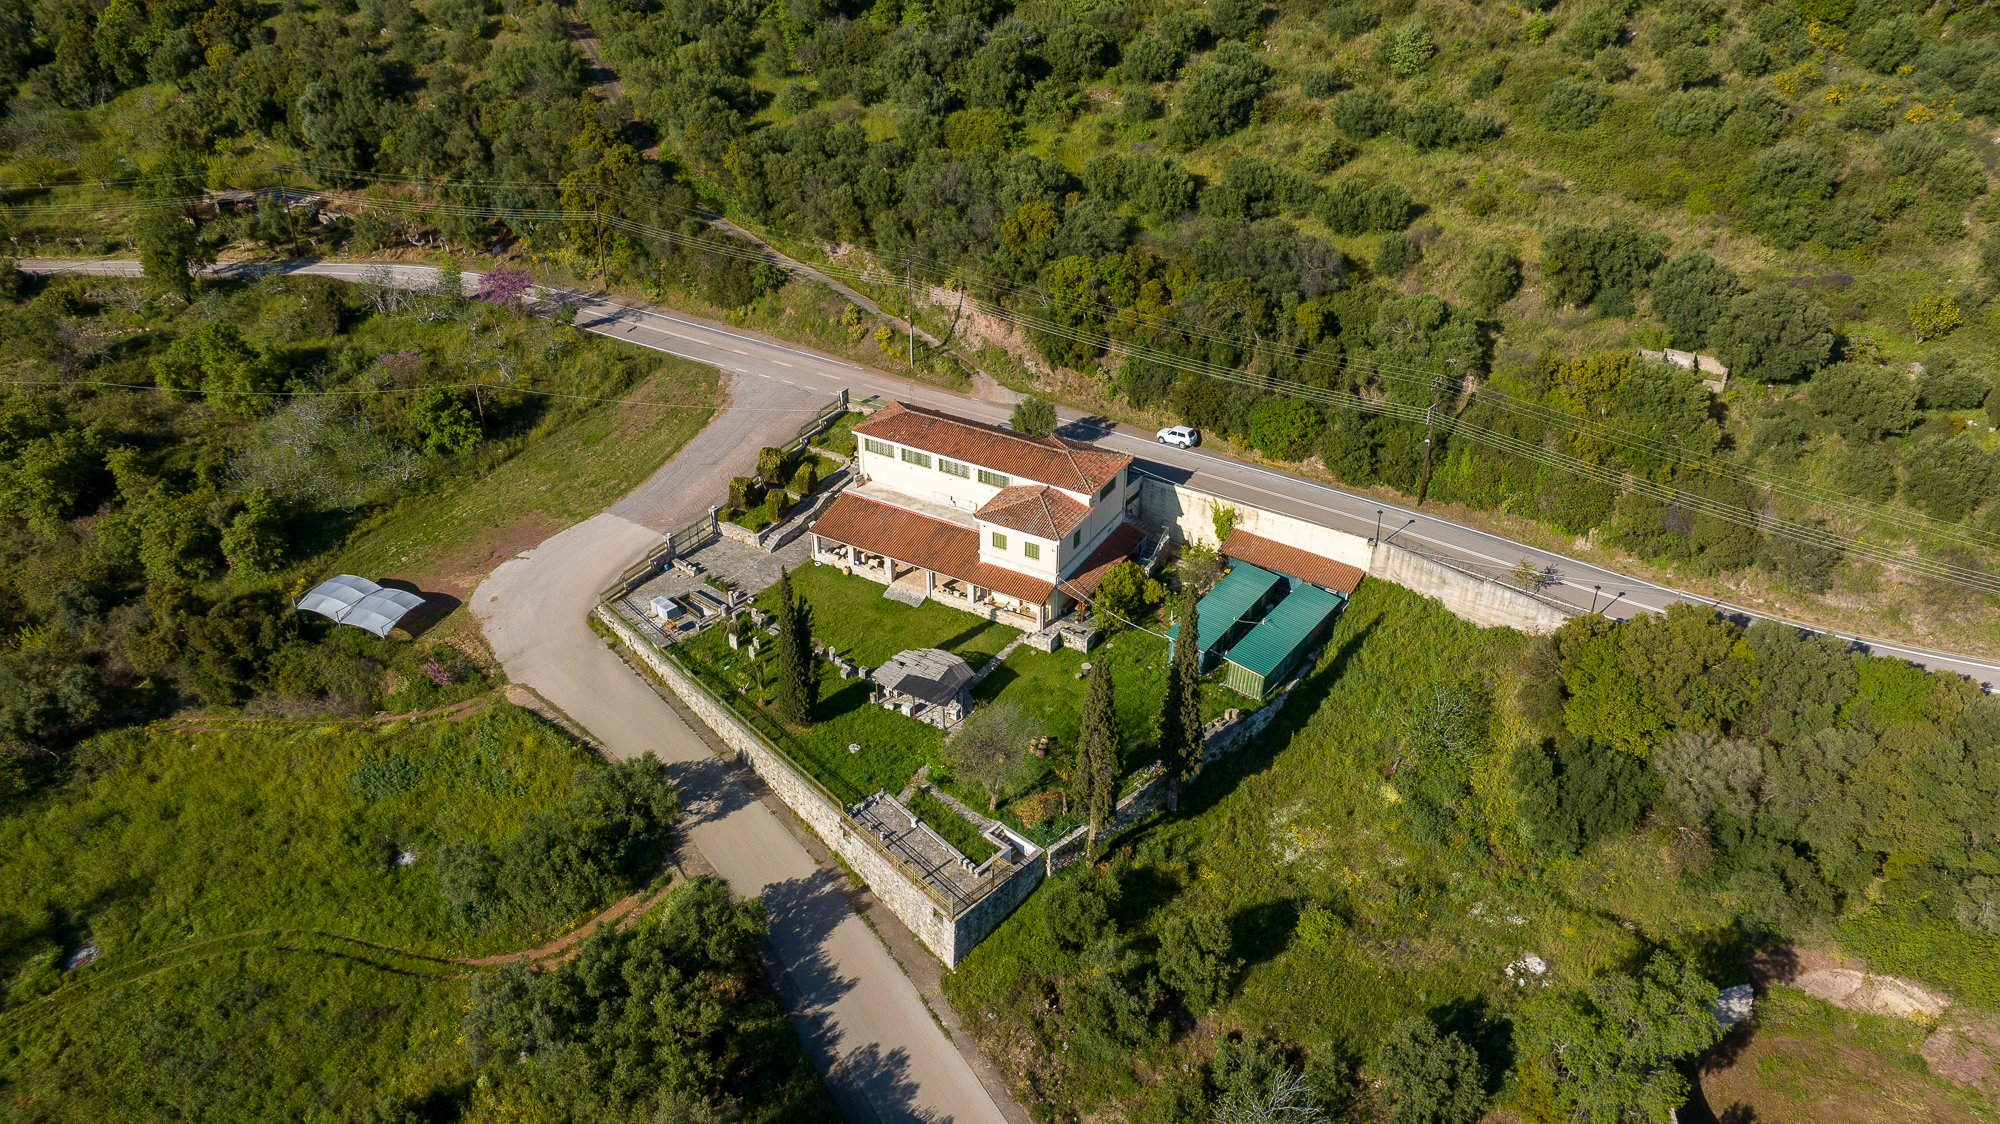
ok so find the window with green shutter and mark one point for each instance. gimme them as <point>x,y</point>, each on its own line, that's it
<point>993,478</point>
<point>881,448</point>
<point>1032,549</point>
<point>999,541</point>
<point>911,456</point>
<point>954,468</point>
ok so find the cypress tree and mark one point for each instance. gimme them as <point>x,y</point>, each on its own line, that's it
<point>1181,741</point>
<point>795,662</point>
<point>1097,753</point>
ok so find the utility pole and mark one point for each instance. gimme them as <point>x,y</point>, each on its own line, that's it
<point>597,217</point>
<point>1430,431</point>
<point>910,297</point>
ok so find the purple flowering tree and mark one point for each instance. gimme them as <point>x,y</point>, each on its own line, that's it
<point>506,286</point>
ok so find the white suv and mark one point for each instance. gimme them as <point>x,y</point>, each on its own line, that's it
<point>1185,436</point>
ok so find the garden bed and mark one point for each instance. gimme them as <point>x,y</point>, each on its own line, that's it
<point>955,829</point>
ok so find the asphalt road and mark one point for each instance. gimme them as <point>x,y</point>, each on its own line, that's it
<point>1579,584</point>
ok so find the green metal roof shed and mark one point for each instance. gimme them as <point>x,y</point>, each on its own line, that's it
<point>1261,660</point>
<point>1233,606</point>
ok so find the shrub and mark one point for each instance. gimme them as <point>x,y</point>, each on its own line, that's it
<point>1750,57</point>
<point>1219,99</point>
<point>1151,58</point>
<point>1578,262</point>
<point>1350,207</point>
<point>771,465</point>
<point>1395,253</point>
<point>1956,178</point>
<point>1574,792</point>
<point>1910,150</point>
<point>1864,471</point>
<point>1495,277</point>
<point>1847,224</point>
<point>1690,293</point>
<point>1356,17</point>
<point>1329,155</point>
<point>1808,565</point>
<point>1757,120</point>
<point>1234,19</point>
<point>1195,960</point>
<point>1430,1078</point>
<point>1411,47</point>
<point>1952,384</point>
<point>1773,335</point>
<point>1594,29</point>
<point>1934,315</point>
<point>1435,123</point>
<point>1612,65</point>
<point>1948,477</point>
<point>1487,78</point>
<point>1286,428</point>
<point>1887,45</point>
<point>1320,83</point>
<point>1693,113</point>
<point>1867,114</point>
<point>1573,105</point>
<point>1865,400</point>
<point>1034,416</point>
<point>1362,114</point>
<point>1687,66</point>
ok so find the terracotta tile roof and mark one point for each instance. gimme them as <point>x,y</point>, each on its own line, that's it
<point>1116,547</point>
<point>920,540</point>
<point>1075,465</point>
<point>1035,509</point>
<point>1290,560</point>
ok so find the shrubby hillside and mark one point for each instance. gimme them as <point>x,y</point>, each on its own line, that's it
<point>1470,869</point>
<point>1295,225</point>
<point>155,540</point>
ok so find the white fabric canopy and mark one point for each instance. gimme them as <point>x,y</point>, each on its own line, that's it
<point>360,602</point>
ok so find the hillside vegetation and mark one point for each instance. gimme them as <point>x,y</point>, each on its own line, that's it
<point>1471,869</point>
<point>1297,225</point>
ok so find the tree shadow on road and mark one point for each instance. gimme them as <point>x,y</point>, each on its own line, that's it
<point>710,791</point>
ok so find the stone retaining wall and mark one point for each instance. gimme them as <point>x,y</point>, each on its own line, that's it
<point>924,915</point>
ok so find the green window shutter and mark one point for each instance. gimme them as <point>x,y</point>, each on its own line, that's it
<point>993,478</point>
<point>999,541</point>
<point>1032,549</point>
<point>911,456</point>
<point>880,448</point>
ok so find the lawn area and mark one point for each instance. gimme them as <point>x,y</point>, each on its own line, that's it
<point>557,478</point>
<point>172,837</point>
<point>839,437</point>
<point>851,614</point>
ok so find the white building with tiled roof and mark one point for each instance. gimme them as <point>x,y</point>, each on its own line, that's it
<point>1012,526</point>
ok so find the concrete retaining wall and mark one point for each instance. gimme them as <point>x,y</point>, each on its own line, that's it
<point>1482,601</point>
<point>1185,514</point>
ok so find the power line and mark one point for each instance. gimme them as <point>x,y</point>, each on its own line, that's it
<point>1902,520</point>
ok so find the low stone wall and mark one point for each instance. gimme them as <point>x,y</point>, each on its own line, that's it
<point>924,915</point>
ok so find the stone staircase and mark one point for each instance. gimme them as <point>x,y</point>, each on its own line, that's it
<point>909,589</point>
